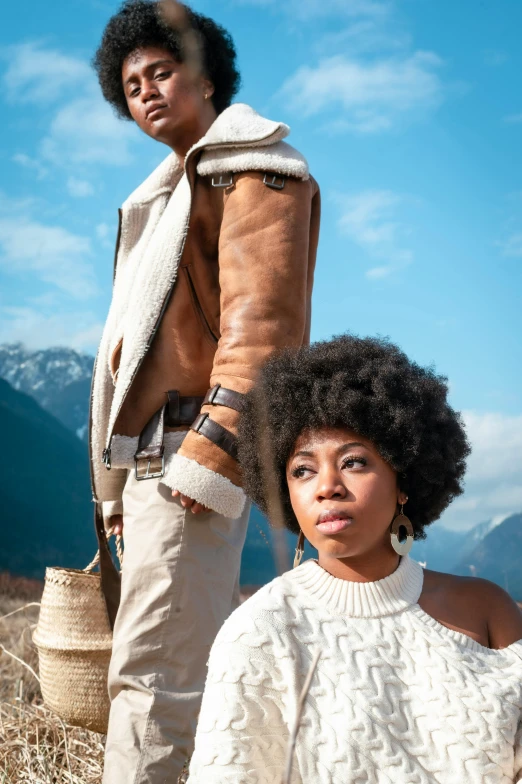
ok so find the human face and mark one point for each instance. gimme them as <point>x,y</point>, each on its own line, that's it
<point>165,99</point>
<point>344,495</point>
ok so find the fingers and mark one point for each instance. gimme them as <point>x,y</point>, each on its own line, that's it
<point>116,523</point>
<point>189,503</point>
<point>197,508</point>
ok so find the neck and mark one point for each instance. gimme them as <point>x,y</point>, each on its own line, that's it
<point>365,568</point>
<point>189,135</point>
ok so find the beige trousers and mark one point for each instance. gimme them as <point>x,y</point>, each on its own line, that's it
<point>180,581</point>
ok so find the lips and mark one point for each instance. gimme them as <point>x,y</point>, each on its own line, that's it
<point>155,110</point>
<point>333,522</point>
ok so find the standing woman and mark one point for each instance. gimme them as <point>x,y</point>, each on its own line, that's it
<point>419,679</point>
<point>215,265</point>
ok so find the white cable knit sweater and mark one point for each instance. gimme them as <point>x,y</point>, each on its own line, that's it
<point>396,696</point>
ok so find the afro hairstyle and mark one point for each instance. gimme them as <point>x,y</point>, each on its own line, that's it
<point>140,23</point>
<point>369,386</point>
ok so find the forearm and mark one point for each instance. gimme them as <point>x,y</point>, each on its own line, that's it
<point>265,274</point>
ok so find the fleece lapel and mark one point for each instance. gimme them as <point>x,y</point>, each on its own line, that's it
<point>155,221</point>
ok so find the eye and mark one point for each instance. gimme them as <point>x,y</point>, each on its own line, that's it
<point>163,75</point>
<point>134,92</point>
<point>354,461</point>
<point>299,472</point>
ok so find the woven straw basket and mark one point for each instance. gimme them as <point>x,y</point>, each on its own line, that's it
<point>74,642</point>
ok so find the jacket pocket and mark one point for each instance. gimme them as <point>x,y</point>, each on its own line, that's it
<point>197,307</point>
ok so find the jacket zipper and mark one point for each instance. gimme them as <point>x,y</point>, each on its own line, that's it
<point>89,429</point>
<point>106,455</point>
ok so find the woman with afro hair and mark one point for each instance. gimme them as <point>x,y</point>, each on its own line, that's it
<point>418,675</point>
<point>214,271</point>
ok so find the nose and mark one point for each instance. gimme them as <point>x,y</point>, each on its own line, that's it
<point>149,91</point>
<point>330,486</point>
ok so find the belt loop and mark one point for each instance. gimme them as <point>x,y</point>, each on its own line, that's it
<point>173,405</point>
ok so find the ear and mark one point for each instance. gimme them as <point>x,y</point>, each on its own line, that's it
<point>208,88</point>
<point>401,497</point>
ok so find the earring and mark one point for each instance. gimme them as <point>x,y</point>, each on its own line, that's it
<point>401,521</point>
<point>205,96</point>
<point>299,550</point>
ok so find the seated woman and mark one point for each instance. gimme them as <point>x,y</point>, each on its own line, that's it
<point>419,676</point>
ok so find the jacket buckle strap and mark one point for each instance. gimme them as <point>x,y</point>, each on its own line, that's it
<point>274,181</point>
<point>220,396</point>
<point>151,448</point>
<point>148,474</point>
<point>181,410</point>
<point>216,433</point>
<point>223,182</point>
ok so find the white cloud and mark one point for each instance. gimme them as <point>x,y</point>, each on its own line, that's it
<point>84,129</point>
<point>310,9</point>
<point>39,75</point>
<point>513,119</point>
<point>54,254</point>
<point>372,95</point>
<point>105,235</point>
<point>512,246</point>
<point>364,36</point>
<point>32,164</point>
<point>368,219</point>
<point>37,329</point>
<point>79,188</point>
<point>493,487</point>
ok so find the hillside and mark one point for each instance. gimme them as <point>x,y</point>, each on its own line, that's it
<point>46,516</point>
<point>59,379</point>
<point>498,557</point>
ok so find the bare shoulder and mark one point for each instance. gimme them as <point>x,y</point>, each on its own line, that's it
<point>504,615</point>
<point>475,606</point>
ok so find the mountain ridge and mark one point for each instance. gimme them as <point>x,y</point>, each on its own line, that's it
<point>59,379</point>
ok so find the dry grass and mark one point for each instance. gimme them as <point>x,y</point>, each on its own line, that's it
<point>35,746</point>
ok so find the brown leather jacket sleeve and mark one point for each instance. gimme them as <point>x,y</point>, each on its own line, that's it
<point>267,249</point>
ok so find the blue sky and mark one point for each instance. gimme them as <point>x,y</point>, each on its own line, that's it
<point>410,114</point>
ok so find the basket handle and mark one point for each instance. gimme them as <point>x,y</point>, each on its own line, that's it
<point>119,551</point>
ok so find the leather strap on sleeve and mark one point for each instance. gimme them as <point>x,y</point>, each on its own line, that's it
<point>216,433</point>
<point>220,396</point>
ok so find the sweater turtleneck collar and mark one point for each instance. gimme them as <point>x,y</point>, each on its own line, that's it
<point>362,600</point>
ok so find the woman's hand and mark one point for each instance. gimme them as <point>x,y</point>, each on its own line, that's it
<point>116,523</point>
<point>189,503</point>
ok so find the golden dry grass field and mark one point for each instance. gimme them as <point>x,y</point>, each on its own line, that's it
<point>35,745</point>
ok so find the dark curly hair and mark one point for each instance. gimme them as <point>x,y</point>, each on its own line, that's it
<point>140,23</point>
<point>367,385</point>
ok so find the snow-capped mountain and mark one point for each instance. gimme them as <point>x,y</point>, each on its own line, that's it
<point>57,378</point>
<point>444,549</point>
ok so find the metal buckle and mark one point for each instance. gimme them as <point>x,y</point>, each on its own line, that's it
<point>147,474</point>
<point>278,183</point>
<point>213,392</point>
<point>198,423</point>
<point>221,183</point>
<point>106,459</point>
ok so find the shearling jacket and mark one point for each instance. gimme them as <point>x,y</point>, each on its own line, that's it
<point>214,271</point>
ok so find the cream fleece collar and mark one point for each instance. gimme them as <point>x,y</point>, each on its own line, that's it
<point>239,126</point>
<point>362,600</point>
